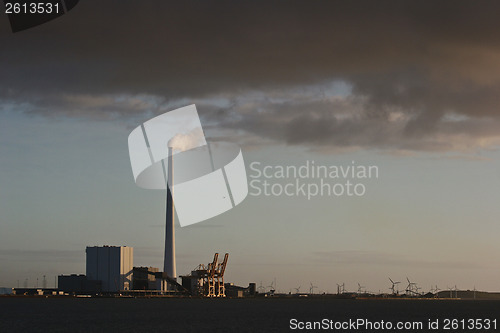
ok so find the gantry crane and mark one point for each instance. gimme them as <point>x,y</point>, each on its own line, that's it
<point>210,280</point>
<point>213,277</point>
<point>219,275</point>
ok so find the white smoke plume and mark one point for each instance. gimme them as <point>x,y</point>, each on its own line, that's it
<point>186,141</point>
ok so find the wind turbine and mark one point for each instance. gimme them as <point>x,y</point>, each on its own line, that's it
<point>340,288</point>
<point>271,287</point>
<point>408,287</point>
<point>393,285</point>
<point>297,290</point>
<point>451,292</point>
<point>261,288</point>
<point>411,286</point>
<point>360,288</point>
<point>435,291</point>
<point>311,289</point>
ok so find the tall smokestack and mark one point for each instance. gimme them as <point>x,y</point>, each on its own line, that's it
<point>169,259</point>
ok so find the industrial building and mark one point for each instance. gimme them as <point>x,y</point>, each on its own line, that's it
<point>78,284</point>
<point>6,291</point>
<point>112,265</point>
<point>144,278</point>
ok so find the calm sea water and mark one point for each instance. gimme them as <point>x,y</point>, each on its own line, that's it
<point>225,315</point>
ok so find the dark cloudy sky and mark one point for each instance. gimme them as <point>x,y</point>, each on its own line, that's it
<point>418,75</point>
<point>412,86</point>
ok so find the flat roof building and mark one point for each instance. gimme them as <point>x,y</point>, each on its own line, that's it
<point>113,265</point>
<point>144,278</point>
<point>78,284</point>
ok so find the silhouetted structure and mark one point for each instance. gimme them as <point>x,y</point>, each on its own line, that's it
<point>112,265</point>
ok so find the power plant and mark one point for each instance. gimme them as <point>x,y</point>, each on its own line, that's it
<point>110,271</point>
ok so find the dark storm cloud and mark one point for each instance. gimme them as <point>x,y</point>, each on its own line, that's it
<point>409,65</point>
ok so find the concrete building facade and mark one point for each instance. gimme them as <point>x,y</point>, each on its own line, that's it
<point>78,284</point>
<point>113,265</point>
<point>144,278</point>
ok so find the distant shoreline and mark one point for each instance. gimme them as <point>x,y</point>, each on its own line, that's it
<point>493,297</point>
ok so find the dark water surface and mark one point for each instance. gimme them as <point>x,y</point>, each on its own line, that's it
<point>227,315</point>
